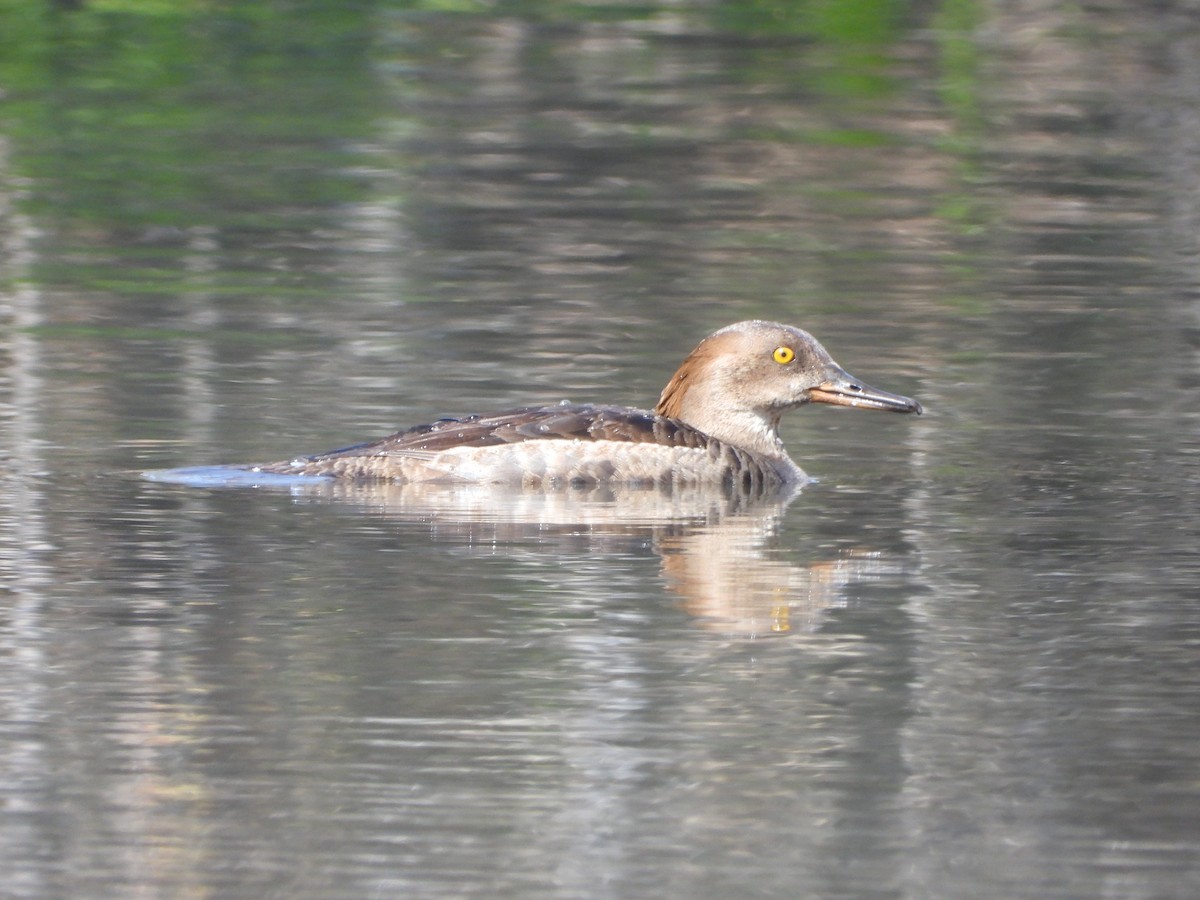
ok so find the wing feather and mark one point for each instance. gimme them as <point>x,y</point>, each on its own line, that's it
<point>576,422</point>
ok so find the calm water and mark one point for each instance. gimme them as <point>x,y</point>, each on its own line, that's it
<point>964,662</point>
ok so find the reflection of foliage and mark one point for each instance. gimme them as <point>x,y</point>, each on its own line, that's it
<point>845,41</point>
<point>845,21</point>
<point>955,28</point>
<point>217,114</point>
<point>959,88</point>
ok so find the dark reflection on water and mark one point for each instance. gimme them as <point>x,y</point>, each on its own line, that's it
<point>962,662</point>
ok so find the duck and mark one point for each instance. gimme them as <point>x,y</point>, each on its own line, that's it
<point>715,423</point>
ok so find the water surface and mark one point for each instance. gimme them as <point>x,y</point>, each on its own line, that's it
<point>961,662</point>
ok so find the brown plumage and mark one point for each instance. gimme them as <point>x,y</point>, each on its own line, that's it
<point>716,422</point>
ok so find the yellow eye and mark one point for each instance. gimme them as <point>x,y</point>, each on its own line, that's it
<point>783,355</point>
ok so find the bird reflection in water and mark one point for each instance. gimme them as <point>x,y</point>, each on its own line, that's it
<point>714,546</point>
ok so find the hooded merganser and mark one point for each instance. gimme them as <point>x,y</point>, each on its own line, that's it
<point>717,421</point>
